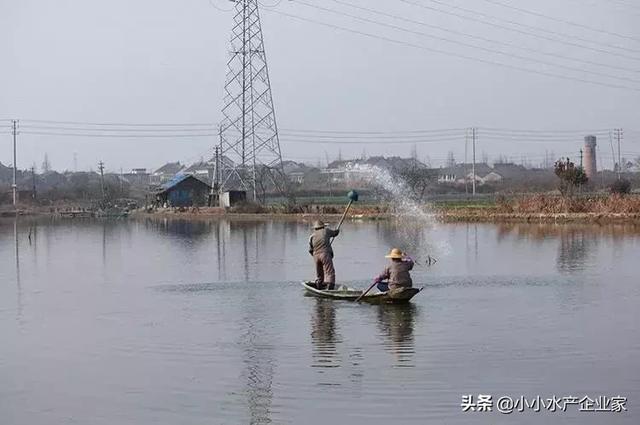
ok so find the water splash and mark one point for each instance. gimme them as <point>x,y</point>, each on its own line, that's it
<point>414,224</point>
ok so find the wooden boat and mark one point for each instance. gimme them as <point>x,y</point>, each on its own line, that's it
<point>398,296</point>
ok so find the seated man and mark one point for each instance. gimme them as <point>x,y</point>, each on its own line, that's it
<point>396,273</point>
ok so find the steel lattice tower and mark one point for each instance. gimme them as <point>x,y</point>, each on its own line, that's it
<point>249,143</point>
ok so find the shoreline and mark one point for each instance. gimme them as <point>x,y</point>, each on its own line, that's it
<point>438,214</point>
<point>442,216</point>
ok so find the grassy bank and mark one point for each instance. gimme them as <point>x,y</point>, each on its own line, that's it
<point>521,208</point>
<point>539,207</point>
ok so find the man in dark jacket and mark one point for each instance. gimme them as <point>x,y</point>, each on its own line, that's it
<point>320,249</point>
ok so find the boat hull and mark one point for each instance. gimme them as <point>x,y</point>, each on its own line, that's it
<point>398,296</point>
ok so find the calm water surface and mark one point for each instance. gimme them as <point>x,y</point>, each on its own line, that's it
<point>171,322</point>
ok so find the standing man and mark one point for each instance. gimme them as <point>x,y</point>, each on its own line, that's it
<point>320,249</point>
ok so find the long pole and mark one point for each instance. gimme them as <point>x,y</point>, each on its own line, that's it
<point>15,166</point>
<point>366,292</point>
<point>344,214</point>
<point>473,166</point>
<point>353,196</point>
<point>342,219</point>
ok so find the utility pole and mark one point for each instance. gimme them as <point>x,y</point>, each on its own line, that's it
<point>216,184</point>
<point>33,176</point>
<point>101,168</point>
<point>613,151</point>
<point>14,127</point>
<point>473,166</point>
<point>580,157</point>
<point>466,161</point>
<point>215,187</point>
<point>618,134</point>
<point>121,182</point>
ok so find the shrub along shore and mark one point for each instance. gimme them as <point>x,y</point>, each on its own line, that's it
<point>523,208</point>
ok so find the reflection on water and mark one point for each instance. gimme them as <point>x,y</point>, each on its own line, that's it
<point>577,243</point>
<point>17,250</point>
<point>575,251</point>
<point>259,361</point>
<point>205,322</point>
<point>396,323</point>
<point>17,258</point>
<point>324,335</point>
<point>541,231</point>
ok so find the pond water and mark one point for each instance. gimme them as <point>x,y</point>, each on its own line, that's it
<point>176,322</point>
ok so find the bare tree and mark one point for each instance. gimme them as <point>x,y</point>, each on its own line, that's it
<point>418,180</point>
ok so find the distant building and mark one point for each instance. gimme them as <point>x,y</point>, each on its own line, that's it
<point>296,177</point>
<point>590,167</point>
<point>184,190</point>
<point>138,177</point>
<point>203,170</point>
<point>165,173</point>
<point>492,177</point>
<point>232,198</point>
<point>464,172</point>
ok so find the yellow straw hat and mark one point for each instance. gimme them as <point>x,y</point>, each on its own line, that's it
<point>318,225</point>
<point>395,253</point>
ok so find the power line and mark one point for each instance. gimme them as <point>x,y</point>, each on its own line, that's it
<point>276,4</point>
<point>111,129</point>
<point>448,40</point>
<point>528,33</point>
<point>443,130</point>
<point>308,131</point>
<point>219,8</point>
<point>128,136</point>
<point>560,34</point>
<point>288,139</point>
<point>121,123</point>
<point>626,4</point>
<point>372,137</point>
<point>489,40</point>
<point>513,130</point>
<point>371,142</point>
<point>562,21</point>
<point>443,52</point>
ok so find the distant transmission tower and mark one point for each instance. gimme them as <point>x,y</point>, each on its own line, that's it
<point>251,158</point>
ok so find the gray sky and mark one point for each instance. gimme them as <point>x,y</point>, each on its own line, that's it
<point>163,61</point>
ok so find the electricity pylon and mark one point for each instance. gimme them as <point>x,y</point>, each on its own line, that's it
<point>249,143</point>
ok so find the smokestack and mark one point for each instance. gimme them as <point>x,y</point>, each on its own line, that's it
<point>590,168</point>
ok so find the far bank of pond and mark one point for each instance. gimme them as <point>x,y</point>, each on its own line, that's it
<point>525,208</point>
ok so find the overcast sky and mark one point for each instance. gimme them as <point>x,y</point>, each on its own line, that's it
<point>163,61</point>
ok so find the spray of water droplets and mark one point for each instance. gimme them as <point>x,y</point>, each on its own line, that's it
<point>414,226</point>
